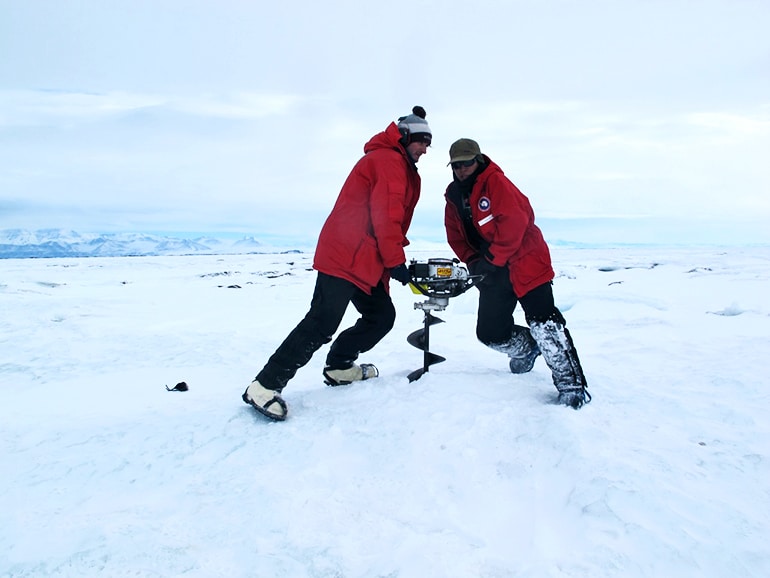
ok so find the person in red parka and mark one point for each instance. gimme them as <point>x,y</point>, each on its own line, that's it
<point>490,226</point>
<point>360,248</point>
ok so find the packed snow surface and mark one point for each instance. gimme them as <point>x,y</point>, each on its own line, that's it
<point>469,471</point>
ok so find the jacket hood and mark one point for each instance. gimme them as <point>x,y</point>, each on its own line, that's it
<point>388,139</point>
<point>490,168</point>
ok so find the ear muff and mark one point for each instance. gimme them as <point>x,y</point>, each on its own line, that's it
<point>404,140</point>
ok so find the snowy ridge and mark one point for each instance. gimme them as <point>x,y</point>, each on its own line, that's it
<point>49,243</point>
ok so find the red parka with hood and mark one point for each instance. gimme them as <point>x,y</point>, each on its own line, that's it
<point>504,219</point>
<point>365,234</point>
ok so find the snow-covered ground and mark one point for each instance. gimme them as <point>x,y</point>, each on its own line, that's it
<point>468,472</point>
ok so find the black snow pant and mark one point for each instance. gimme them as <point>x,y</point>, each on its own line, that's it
<point>547,329</point>
<point>497,301</point>
<point>327,308</point>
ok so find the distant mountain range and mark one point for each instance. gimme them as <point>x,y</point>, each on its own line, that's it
<point>43,243</point>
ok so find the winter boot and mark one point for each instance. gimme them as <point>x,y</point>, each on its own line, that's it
<point>574,398</point>
<point>556,345</point>
<point>353,373</point>
<point>268,402</point>
<point>521,348</point>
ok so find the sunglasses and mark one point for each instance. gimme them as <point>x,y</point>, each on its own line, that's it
<point>463,164</point>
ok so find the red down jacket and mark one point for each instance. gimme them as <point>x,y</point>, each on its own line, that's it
<point>504,218</point>
<point>365,234</point>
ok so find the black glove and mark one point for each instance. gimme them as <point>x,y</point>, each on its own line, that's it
<point>483,267</point>
<point>401,273</point>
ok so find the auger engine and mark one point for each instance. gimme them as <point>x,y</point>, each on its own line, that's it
<point>438,280</point>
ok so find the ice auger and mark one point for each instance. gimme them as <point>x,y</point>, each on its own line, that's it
<point>438,280</point>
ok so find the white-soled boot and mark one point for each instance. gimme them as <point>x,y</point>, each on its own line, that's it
<point>353,373</point>
<point>268,402</point>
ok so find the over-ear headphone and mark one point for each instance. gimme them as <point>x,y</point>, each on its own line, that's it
<point>404,130</point>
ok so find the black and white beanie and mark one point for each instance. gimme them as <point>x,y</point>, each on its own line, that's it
<point>414,127</point>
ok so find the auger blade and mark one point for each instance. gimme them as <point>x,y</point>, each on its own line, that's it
<point>432,319</point>
<point>421,340</point>
<point>430,359</point>
<point>415,375</point>
<point>433,359</point>
<point>417,338</point>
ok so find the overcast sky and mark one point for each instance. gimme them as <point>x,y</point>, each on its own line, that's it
<point>246,117</point>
